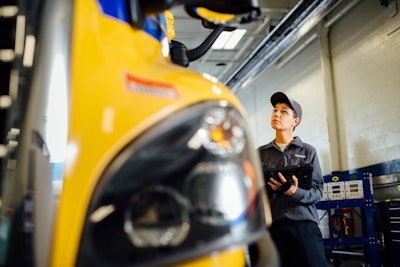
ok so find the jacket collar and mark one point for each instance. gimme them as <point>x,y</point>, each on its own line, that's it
<point>297,142</point>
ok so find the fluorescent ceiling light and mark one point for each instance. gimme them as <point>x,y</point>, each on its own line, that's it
<point>221,40</point>
<point>228,40</point>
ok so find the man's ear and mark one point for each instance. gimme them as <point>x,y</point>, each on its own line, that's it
<point>297,121</point>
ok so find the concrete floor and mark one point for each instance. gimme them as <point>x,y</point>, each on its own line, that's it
<point>347,263</point>
<point>346,260</point>
<point>346,257</point>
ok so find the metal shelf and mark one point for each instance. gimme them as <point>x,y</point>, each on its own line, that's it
<point>369,239</point>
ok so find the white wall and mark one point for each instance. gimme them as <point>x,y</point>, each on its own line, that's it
<point>366,70</point>
<point>364,90</point>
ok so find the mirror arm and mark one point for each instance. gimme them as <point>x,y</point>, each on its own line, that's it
<point>196,53</point>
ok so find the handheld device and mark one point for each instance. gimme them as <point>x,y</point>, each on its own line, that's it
<point>303,172</point>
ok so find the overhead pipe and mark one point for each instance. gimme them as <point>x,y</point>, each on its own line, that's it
<point>308,41</point>
<point>340,14</point>
<point>309,13</point>
<point>280,40</point>
<point>282,24</point>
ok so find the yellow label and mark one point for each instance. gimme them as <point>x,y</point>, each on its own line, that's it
<point>169,17</point>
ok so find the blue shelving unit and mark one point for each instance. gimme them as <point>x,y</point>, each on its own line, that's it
<point>369,240</point>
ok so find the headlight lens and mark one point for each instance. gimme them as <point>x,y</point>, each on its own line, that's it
<point>185,188</point>
<point>157,217</point>
<point>222,133</point>
<point>218,192</point>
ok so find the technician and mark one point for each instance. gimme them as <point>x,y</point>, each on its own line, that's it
<point>295,228</point>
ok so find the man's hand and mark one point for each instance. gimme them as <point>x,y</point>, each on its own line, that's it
<point>283,186</point>
<point>293,188</point>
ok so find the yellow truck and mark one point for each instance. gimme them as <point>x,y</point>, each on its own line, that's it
<point>114,155</point>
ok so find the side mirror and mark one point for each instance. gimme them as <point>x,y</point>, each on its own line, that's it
<point>226,7</point>
<point>218,15</point>
<point>217,21</point>
<point>244,11</point>
<point>139,9</point>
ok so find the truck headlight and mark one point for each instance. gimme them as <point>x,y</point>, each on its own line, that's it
<point>185,188</point>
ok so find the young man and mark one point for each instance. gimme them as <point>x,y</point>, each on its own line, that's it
<point>295,228</point>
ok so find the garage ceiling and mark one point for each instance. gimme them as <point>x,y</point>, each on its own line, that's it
<point>221,63</point>
<point>280,26</point>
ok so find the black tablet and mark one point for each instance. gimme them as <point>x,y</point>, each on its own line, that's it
<point>303,172</point>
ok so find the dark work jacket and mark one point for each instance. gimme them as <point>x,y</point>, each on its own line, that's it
<point>300,206</point>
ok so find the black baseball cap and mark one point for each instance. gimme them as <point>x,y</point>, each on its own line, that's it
<point>280,97</point>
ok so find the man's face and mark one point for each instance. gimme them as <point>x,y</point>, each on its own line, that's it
<point>283,117</point>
